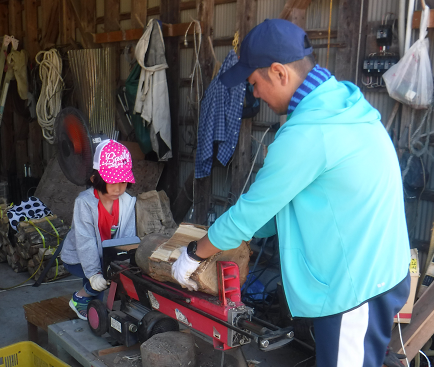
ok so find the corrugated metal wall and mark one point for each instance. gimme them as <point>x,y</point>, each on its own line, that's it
<point>317,17</point>
<point>420,225</point>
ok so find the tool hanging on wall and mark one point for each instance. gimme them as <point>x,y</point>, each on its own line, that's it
<point>7,40</point>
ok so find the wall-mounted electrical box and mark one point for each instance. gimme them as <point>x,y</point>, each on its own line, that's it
<point>378,65</point>
<point>384,35</point>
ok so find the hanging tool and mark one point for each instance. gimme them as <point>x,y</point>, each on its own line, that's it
<point>125,107</point>
<point>7,40</point>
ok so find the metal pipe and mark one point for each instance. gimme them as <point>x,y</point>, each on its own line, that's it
<point>401,27</point>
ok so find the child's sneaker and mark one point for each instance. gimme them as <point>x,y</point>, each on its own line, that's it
<point>79,305</point>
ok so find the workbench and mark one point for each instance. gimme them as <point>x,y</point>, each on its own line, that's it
<point>74,338</point>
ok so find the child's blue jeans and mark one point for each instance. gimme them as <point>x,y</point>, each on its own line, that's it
<point>77,270</point>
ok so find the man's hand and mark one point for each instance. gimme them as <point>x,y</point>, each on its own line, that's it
<point>183,268</point>
<point>98,283</point>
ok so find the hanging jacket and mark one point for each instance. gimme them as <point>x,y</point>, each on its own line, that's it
<point>152,99</point>
<point>331,188</point>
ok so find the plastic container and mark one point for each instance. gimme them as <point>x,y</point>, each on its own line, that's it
<point>28,354</point>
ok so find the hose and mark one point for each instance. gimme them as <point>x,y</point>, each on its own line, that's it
<point>50,99</point>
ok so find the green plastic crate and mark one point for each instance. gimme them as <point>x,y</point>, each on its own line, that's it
<point>28,354</point>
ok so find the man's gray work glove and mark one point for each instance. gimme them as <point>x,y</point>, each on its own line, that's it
<point>182,269</point>
<point>98,283</point>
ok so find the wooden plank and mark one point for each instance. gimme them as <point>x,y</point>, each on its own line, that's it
<point>348,33</point>
<point>111,15</point>
<point>139,13</point>
<point>88,15</point>
<point>50,23</point>
<point>169,30</point>
<point>420,330</point>
<point>67,23</point>
<point>16,20</point>
<point>170,14</point>
<point>203,186</point>
<point>50,311</point>
<point>155,10</point>
<point>31,44</point>
<point>417,16</point>
<point>4,19</point>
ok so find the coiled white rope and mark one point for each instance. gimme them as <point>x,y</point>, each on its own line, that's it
<point>49,102</point>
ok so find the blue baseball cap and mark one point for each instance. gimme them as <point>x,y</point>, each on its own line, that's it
<point>273,40</point>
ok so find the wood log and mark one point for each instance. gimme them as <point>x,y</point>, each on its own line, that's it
<point>156,254</point>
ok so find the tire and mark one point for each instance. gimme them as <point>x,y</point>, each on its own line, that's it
<point>97,317</point>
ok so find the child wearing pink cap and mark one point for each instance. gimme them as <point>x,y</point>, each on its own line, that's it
<point>102,212</point>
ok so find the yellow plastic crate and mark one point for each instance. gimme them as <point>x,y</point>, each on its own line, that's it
<point>28,354</point>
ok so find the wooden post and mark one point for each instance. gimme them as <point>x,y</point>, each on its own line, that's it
<point>111,15</point>
<point>245,21</point>
<point>4,19</point>
<point>88,15</point>
<point>348,33</point>
<point>139,13</point>
<point>111,23</point>
<point>67,23</point>
<point>21,128</point>
<point>295,12</point>
<point>31,44</point>
<point>35,149</point>
<point>50,23</point>
<point>7,140</point>
<point>16,20</point>
<point>170,13</point>
<point>203,186</point>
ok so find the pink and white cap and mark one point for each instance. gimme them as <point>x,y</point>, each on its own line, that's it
<point>113,162</point>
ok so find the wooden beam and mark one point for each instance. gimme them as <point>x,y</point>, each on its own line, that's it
<point>170,14</point>
<point>295,12</point>
<point>35,149</point>
<point>67,24</point>
<point>31,44</point>
<point>8,154</point>
<point>88,15</point>
<point>169,30</point>
<point>139,13</point>
<point>420,330</point>
<point>111,15</point>
<point>417,16</point>
<point>4,19</point>
<point>245,21</point>
<point>50,23</point>
<point>86,37</point>
<point>203,186</point>
<point>16,20</point>
<point>348,33</point>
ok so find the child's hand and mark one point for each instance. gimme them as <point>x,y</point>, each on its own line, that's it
<point>98,283</point>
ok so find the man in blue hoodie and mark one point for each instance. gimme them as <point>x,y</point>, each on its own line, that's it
<point>331,188</point>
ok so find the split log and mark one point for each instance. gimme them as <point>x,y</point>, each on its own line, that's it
<point>156,254</point>
<point>39,234</point>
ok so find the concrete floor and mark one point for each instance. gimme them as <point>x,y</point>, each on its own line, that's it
<point>13,325</point>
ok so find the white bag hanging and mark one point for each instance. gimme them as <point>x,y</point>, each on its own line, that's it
<point>410,80</point>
